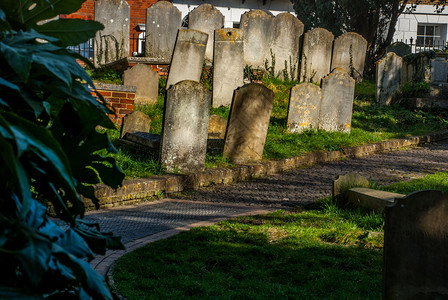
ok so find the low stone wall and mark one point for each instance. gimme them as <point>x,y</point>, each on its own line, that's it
<point>137,190</point>
<point>119,97</point>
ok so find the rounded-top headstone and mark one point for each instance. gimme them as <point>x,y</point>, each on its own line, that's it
<point>136,121</point>
<point>304,107</point>
<point>147,82</point>
<point>399,48</point>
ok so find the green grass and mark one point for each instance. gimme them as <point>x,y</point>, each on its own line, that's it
<point>437,181</point>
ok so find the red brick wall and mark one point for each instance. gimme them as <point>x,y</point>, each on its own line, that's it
<point>122,102</point>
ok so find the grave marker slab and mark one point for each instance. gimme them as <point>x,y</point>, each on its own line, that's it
<point>349,53</point>
<point>147,82</point>
<point>134,122</point>
<point>304,107</point>
<point>439,70</point>
<point>388,78</point>
<point>248,123</point>
<point>185,128</point>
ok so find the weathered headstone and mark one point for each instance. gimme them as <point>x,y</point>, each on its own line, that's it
<point>185,128</point>
<point>206,18</point>
<point>188,57</point>
<point>135,122</point>
<point>316,55</point>
<point>217,127</point>
<point>248,123</point>
<point>338,91</point>
<point>348,181</point>
<point>147,82</point>
<point>388,78</point>
<point>415,257</point>
<point>228,69</point>
<point>256,25</point>
<point>286,33</point>
<point>439,70</point>
<point>399,48</point>
<point>304,107</point>
<point>112,43</point>
<point>163,21</point>
<point>349,53</point>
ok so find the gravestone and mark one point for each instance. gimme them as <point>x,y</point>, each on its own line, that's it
<point>304,107</point>
<point>163,21</point>
<point>348,181</point>
<point>206,18</point>
<point>136,121</point>
<point>217,127</point>
<point>439,70</point>
<point>248,123</point>
<point>228,69</point>
<point>415,257</point>
<point>349,53</point>
<point>256,25</point>
<point>286,33</point>
<point>316,55</point>
<point>388,78</point>
<point>188,57</point>
<point>399,48</point>
<point>185,127</point>
<point>338,91</point>
<point>111,43</point>
<point>147,82</point>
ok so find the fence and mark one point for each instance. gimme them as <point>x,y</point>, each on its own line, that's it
<point>84,49</point>
<point>434,45</point>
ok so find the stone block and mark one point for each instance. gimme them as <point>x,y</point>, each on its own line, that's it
<point>146,81</point>
<point>304,107</point>
<point>349,53</point>
<point>439,70</point>
<point>372,199</point>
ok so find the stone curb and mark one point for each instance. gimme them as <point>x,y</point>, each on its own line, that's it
<point>136,190</point>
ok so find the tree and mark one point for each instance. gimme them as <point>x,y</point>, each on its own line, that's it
<point>375,20</point>
<point>49,146</point>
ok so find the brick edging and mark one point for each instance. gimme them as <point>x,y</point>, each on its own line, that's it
<point>136,190</point>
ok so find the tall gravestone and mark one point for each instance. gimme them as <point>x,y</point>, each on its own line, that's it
<point>286,33</point>
<point>316,55</point>
<point>228,68</point>
<point>349,53</point>
<point>185,127</point>
<point>304,107</point>
<point>188,56</point>
<point>338,91</point>
<point>147,82</point>
<point>248,123</point>
<point>439,70</point>
<point>388,78</point>
<point>415,257</point>
<point>112,43</point>
<point>256,25</point>
<point>163,21</point>
<point>206,18</point>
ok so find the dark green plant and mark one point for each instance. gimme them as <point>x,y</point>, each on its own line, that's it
<point>106,75</point>
<point>414,89</point>
<point>49,145</point>
<point>251,74</point>
<point>207,77</point>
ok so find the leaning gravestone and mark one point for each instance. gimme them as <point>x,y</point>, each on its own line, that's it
<point>304,107</point>
<point>228,68</point>
<point>349,53</point>
<point>415,257</point>
<point>256,25</point>
<point>388,78</point>
<point>248,123</point>
<point>147,82</point>
<point>163,21</point>
<point>345,182</point>
<point>338,91</point>
<point>399,48</point>
<point>286,33</point>
<point>206,18</point>
<point>185,127</point>
<point>316,55</point>
<point>112,43</point>
<point>188,57</point>
<point>135,122</point>
<point>439,70</point>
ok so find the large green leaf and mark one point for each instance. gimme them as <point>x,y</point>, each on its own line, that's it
<point>70,32</point>
<point>7,292</point>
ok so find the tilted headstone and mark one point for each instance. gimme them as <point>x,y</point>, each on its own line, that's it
<point>135,122</point>
<point>338,91</point>
<point>415,257</point>
<point>185,127</point>
<point>256,25</point>
<point>163,21</point>
<point>399,48</point>
<point>147,82</point>
<point>217,127</point>
<point>388,78</point>
<point>112,43</point>
<point>188,57</point>
<point>316,55</point>
<point>348,181</point>
<point>349,53</point>
<point>206,18</point>
<point>286,33</point>
<point>228,68</point>
<point>439,70</point>
<point>304,107</point>
<point>248,123</point>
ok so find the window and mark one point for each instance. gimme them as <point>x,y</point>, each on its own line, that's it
<point>85,49</point>
<point>429,35</point>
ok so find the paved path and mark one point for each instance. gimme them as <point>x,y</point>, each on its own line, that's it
<point>144,223</point>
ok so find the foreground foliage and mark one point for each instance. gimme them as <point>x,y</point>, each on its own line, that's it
<point>48,137</point>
